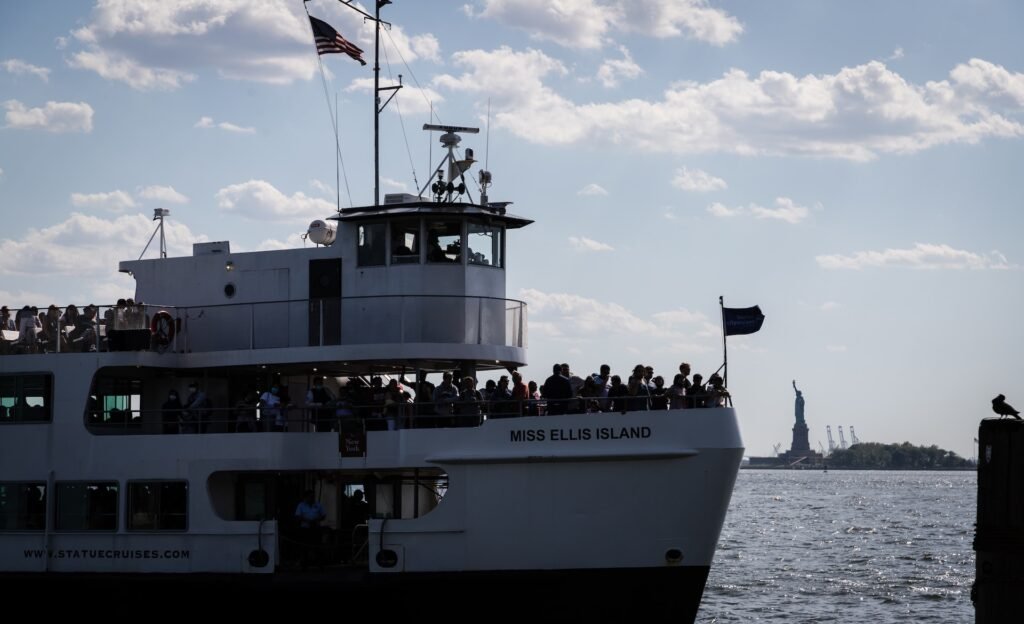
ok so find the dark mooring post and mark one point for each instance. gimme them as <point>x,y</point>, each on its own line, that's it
<point>999,532</point>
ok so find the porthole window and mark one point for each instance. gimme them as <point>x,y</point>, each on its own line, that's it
<point>229,291</point>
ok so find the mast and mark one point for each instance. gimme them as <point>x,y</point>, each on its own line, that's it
<point>376,104</point>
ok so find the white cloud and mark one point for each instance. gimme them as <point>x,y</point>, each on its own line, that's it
<point>614,70</point>
<point>857,113</point>
<point>113,66</point>
<point>570,317</point>
<point>260,200</point>
<point>920,256</point>
<point>896,54</point>
<point>164,44</point>
<point>53,117</point>
<point>697,180</point>
<point>115,201</point>
<point>19,67</point>
<point>679,316</point>
<point>592,189</point>
<point>582,243</point>
<point>411,99</point>
<point>323,187</point>
<point>165,194</point>
<point>785,210</point>
<point>394,184</point>
<point>293,241</point>
<point>85,246</point>
<point>829,305</point>
<point>589,23</point>
<point>721,210</point>
<point>835,348</point>
<point>207,122</point>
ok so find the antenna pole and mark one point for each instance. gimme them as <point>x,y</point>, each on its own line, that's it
<point>376,106</point>
<point>337,154</point>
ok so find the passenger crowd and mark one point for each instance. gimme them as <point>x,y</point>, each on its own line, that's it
<point>456,401</point>
<point>121,327</point>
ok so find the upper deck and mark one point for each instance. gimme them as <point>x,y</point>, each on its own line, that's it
<point>411,280</point>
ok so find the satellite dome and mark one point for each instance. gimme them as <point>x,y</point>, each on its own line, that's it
<point>320,233</point>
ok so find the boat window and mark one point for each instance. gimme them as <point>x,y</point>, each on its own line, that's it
<point>116,403</point>
<point>22,506</point>
<point>157,505</point>
<point>405,242</point>
<point>371,244</point>
<point>25,398</point>
<point>85,506</point>
<point>444,241</point>
<point>484,244</point>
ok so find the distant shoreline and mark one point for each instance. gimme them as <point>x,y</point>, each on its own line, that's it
<point>824,468</point>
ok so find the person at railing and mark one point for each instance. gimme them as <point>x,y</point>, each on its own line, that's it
<point>397,404</point>
<point>638,395</point>
<point>501,405</point>
<point>617,394</point>
<point>604,384</point>
<point>534,407</point>
<point>171,412</point>
<point>520,393</point>
<point>319,399</point>
<point>28,330</point>
<point>590,396</point>
<point>684,370</point>
<point>659,396</point>
<point>696,394</point>
<point>271,410</point>
<point>718,396</point>
<point>425,410</point>
<point>445,397</point>
<point>51,336</point>
<point>6,322</point>
<point>557,390</point>
<point>193,416</point>
<point>470,404</point>
<point>676,393</point>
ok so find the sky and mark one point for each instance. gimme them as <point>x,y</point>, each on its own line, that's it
<point>850,167</point>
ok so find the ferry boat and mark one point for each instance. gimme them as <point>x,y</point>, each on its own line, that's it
<point>104,479</point>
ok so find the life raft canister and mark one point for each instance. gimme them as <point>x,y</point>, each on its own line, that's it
<point>162,328</point>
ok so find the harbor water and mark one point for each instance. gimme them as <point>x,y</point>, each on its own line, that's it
<point>845,546</point>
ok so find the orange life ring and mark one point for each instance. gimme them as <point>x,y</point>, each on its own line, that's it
<point>162,328</point>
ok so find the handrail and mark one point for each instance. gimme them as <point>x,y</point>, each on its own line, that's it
<point>380,319</point>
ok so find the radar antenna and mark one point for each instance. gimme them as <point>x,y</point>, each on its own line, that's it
<point>447,192</point>
<point>158,215</point>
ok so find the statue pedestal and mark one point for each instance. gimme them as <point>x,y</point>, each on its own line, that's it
<point>800,443</point>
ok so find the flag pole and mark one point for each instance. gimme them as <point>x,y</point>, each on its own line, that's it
<point>376,105</point>
<point>725,350</point>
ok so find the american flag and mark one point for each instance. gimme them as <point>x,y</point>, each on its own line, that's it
<point>328,41</point>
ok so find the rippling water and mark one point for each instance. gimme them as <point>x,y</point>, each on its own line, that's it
<point>845,546</point>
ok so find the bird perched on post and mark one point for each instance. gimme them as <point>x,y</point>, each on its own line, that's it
<point>1001,407</point>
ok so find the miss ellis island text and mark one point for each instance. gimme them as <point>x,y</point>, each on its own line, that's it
<point>579,434</point>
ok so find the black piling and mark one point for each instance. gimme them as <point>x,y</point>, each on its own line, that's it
<point>999,532</point>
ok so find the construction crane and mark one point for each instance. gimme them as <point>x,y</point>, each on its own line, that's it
<point>822,448</point>
<point>842,438</point>
<point>853,437</point>
<point>776,448</point>
<point>831,442</point>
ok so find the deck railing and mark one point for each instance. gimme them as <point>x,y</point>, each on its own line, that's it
<point>384,319</point>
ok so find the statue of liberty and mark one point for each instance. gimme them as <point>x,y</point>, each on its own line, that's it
<point>799,405</point>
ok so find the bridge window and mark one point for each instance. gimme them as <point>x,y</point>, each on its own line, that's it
<point>87,506</point>
<point>157,505</point>
<point>485,244</point>
<point>372,244</point>
<point>405,242</point>
<point>444,241</point>
<point>22,506</point>
<point>25,398</point>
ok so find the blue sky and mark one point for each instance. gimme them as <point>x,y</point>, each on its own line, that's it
<point>852,168</point>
